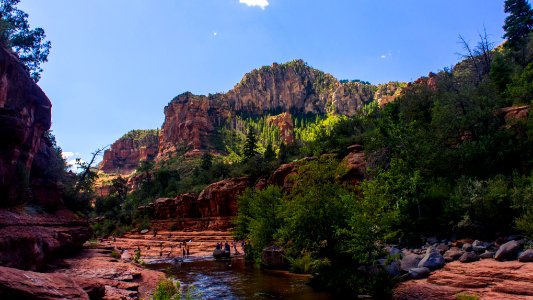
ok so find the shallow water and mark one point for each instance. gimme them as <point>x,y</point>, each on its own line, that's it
<point>236,279</point>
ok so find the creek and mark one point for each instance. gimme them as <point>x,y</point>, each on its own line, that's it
<point>237,279</point>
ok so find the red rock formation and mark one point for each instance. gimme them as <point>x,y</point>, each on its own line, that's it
<point>513,114</point>
<point>212,209</point>
<point>284,123</point>
<point>25,114</point>
<point>124,155</point>
<point>487,279</point>
<point>33,225</point>
<point>220,198</point>
<point>355,165</point>
<point>18,284</point>
<point>29,238</point>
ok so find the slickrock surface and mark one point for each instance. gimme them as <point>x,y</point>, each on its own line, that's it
<point>488,279</point>
<point>93,269</point>
<point>19,284</point>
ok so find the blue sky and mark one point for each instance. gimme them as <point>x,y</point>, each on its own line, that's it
<point>115,64</point>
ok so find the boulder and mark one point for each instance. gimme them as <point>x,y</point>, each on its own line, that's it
<point>487,254</point>
<point>393,268</point>
<point>469,257</point>
<point>479,246</point>
<point>418,273</point>
<point>410,261</point>
<point>452,254</point>
<point>526,256</point>
<point>126,255</point>
<point>442,248</point>
<point>468,247</point>
<point>432,260</point>
<point>508,251</point>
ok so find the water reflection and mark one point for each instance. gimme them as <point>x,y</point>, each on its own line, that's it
<point>236,279</point>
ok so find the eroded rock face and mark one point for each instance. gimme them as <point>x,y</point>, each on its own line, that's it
<point>25,115</point>
<point>126,153</point>
<point>214,208</point>
<point>29,238</point>
<point>220,198</point>
<point>34,226</point>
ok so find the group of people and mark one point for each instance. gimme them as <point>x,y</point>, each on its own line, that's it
<point>226,246</point>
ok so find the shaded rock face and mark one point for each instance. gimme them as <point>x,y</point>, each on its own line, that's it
<point>124,155</point>
<point>29,239</point>
<point>214,208</point>
<point>25,114</point>
<point>34,226</point>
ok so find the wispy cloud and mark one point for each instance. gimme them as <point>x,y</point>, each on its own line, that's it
<point>260,3</point>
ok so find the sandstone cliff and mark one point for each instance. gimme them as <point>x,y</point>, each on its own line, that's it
<point>191,121</point>
<point>126,153</point>
<point>34,226</point>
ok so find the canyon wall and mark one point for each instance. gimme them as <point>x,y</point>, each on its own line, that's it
<point>34,225</point>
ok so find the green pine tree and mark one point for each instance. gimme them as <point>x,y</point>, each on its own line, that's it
<point>519,23</point>
<point>250,144</point>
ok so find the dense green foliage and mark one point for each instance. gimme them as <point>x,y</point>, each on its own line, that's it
<point>15,33</point>
<point>442,160</point>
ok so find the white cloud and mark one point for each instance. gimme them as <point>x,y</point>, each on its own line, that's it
<point>386,55</point>
<point>67,154</point>
<point>215,33</point>
<point>260,3</point>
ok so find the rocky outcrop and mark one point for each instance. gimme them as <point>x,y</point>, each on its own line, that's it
<point>220,198</point>
<point>25,115</point>
<point>214,208</point>
<point>286,126</point>
<point>18,284</point>
<point>29,239</point>
<point>189,123</point>
<point>103,277</point>
<point>126,153</point>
